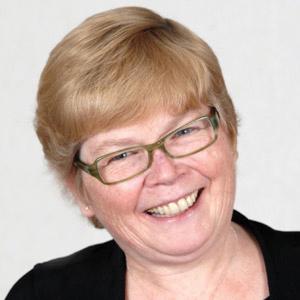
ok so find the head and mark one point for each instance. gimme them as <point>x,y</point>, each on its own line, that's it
<point>116,70</point>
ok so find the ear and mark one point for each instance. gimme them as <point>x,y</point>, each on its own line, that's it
<point>86,210</point>
<point>80,196</point>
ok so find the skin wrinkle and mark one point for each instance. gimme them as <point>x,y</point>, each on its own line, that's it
<point>82,80</point>
<point>144,242</point>
<point>162,281</point>
<point>117,142</point>
<point>156,254</point>
<point>129,73</point>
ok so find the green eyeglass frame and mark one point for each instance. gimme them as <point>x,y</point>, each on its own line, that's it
<point>92,169</point>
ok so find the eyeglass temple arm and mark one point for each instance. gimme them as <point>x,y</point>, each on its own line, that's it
<point>215,118</point>
<point>78,163</point>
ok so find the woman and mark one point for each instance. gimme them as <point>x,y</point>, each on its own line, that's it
<point>134,117</point>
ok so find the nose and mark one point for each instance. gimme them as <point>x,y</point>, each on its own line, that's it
<point>162,170</point>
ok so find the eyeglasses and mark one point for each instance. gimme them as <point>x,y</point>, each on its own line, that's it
<point>127,163</point>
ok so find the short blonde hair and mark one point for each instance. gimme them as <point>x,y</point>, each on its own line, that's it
<point>118,67</point>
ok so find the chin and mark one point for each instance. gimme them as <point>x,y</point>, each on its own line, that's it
<point>186,234</point>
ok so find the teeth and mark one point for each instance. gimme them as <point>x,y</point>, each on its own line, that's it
<point>160,210</point>
<point>174,208</point>
<point>183,205</point>
<point>189,200</point>
<point>166,210</point>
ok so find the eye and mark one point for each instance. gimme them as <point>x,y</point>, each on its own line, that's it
<point>126,156</point>
<point>120,156</point>
<point>185,131</point>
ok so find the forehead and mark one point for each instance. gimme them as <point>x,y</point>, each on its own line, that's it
<point>144,131</point>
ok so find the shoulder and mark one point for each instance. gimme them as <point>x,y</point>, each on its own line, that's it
<point>276,241</point>
<point>83,274</point>
<point>281,251</point>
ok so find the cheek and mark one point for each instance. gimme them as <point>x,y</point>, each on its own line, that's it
<point>221,157</point>
<point>217,163</point>
<point>214,163</point>
<point>222,171</point>
<point>110,202</point>
<point>223,163</point>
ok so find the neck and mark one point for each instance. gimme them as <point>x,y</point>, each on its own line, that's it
<point>199,278</point>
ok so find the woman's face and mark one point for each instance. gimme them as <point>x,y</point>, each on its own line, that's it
<point>122,208</point>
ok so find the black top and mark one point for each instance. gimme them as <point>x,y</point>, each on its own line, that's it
<point>98,272</point>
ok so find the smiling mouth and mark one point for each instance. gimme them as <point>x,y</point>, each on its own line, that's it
<point>175,208</point>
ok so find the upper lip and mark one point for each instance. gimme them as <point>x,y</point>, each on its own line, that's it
<point>166,202</point>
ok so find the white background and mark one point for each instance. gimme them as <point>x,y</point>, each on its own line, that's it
<point>258,45</point>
